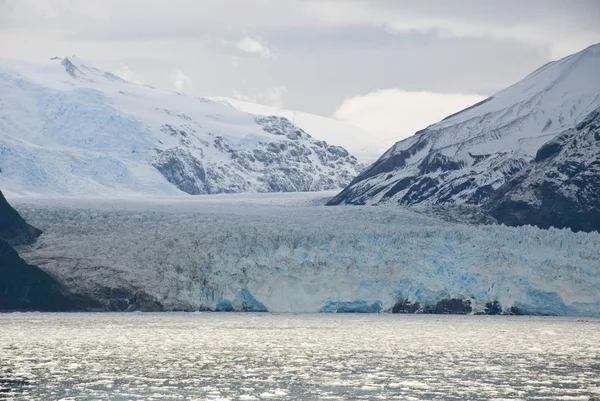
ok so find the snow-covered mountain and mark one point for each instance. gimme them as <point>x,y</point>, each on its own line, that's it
<point>67,128</point>
<point>465,157</point>
<point>360,143</point>
<point>561,188</point>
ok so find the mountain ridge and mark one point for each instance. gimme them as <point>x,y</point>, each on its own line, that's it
<point>466,156</point>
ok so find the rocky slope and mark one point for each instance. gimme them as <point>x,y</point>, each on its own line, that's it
<point>465,157</point>
<point>364,145</point>
<point>67,128</point>
<point>13,229</point>
<point>23,286</point>
<point>561,188</point>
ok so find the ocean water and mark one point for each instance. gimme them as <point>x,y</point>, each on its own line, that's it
<point>215,356</point>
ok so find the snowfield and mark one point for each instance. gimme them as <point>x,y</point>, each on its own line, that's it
<point>285,253</point>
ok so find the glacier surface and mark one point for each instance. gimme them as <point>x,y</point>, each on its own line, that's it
<point>286,253</point>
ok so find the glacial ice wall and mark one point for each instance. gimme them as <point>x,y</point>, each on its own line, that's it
<point>288,255</point>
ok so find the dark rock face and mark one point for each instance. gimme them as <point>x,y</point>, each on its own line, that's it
<point>561,188</point>
<point>458,306</point>
<point>434,162</point>
<point>493,308</point>
<point>406,306</point>
<point>183,170</point>
<point>13,229</point>
<point>70,67</point>
<point>452,306</point>
<point>27,287</point>
<point>436,180</point>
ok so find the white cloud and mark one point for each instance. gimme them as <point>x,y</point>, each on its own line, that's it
<point>181,82</point>
<point>125,72</point>
<point>272,96</point>
<point>255,47</point>
<point>393,114</point>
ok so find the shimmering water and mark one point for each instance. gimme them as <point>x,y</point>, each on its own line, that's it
<point>211,356</point>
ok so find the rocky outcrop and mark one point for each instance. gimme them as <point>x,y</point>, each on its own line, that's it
<point>459,306</point>
<point>446,306</point>
<point>183,170</point>
<point>561,188</point>
<point>13,229</point>
<point>27,287</point>
<point>23,286</point>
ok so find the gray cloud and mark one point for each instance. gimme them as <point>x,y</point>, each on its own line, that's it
<point>326,50</point>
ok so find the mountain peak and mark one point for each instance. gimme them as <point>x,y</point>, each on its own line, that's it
<point>78,68</point>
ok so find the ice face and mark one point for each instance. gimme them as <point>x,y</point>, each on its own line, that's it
<point>284,254</point>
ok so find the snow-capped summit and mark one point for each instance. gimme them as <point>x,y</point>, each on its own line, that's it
<point>465,157</point>
<point>68,128</point>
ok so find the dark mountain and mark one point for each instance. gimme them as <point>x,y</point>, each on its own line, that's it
<point>23,286</point>
<point>561,188</point>
<point>13,229</point>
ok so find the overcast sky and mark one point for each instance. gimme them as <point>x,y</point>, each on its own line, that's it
<point>389,66</point>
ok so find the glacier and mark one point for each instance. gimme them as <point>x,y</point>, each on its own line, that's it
<point>287,253</point>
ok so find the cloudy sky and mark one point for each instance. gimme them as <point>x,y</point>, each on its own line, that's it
<point>389,66</point>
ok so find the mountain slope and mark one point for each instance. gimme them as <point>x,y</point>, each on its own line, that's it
<point>358,142</point>
<point>561,188</point>
<point>70,129</point>
<point>13,229</point>
<point>27,287</point>
<point>464,157</point>
<point>23,286</point>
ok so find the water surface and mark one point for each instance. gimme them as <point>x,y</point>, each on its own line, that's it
<point>213,356</point>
